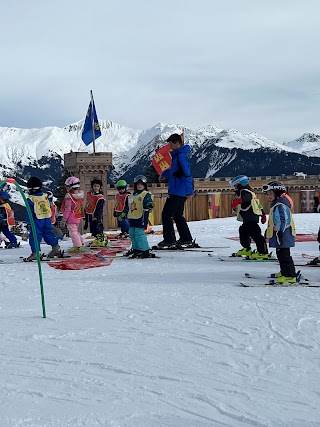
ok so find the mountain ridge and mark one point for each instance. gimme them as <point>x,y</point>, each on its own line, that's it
<point>214,151</point>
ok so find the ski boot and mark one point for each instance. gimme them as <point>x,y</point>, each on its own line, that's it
<point>290,280</point>
<point>244,252</point>
<point>55,251</point>
<point>166,245</point>
<point>99,242</point>
<point>129,253</point>
<point>75,250</point>
<point>124,236</point>
<point>12,245</point>
<point>256,255</point>
<point>187,244</point>
<point>136,253</point>
<point>146,254</point>
<point>276,275</point>
<point>31,257</point>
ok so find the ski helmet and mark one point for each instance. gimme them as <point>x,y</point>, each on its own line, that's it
<point>141,178</point>
<point>240,179</point>
<point>34,183</point>
<point>121,184</point>
<point>72,182</point>
<point>96,181</point>
<point>4,195</point>
<point>277,186</point>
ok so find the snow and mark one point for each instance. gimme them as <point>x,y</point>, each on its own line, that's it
<point>28,146</point>
<point>160,342</point>
<point>307,144</point>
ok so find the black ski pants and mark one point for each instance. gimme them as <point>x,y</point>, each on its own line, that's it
<point>286,263</point>
<point>251,230</point>
<point>96,227</point>
<point>173,211</point>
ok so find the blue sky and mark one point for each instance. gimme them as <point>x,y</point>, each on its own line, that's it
<point>249,65</point>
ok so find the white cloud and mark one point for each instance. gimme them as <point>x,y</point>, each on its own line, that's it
<point>247,65</point>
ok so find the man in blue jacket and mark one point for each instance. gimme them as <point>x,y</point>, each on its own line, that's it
<point>180,189</point>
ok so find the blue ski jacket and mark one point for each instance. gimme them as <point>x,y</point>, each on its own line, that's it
<point>180,180</point>
<point>281,220</point>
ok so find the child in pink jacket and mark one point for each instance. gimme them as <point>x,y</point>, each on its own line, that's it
<point>73,211</point>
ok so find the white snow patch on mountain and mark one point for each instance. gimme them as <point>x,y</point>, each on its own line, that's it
<point>308,144</point>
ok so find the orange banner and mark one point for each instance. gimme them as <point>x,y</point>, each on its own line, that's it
<point>162,159</point>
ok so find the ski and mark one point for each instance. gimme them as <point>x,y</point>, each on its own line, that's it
<point>280,285</point>
<point>308,256</point>
<point>241,259</point>
<point>307,265</point>
<point>181,248</point>
<point>262,277</point>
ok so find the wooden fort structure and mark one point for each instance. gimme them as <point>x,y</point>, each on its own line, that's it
<point>213,195</point>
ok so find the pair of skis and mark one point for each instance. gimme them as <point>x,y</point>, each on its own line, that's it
<point>195,247</point>
<point>257,281</point>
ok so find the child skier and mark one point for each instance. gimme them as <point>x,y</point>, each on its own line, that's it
<point>6,220</point>
<point>317,259</point>
<point>93,211</point>
<point>249,210</point>
<point>73,212</point>
<point>120,205</point>
<point>54,217</point>
<point>139,204</point>
<point>281,230</point>
<point>41,214</point>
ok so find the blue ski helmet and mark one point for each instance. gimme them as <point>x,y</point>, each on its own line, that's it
<point>240,179</point>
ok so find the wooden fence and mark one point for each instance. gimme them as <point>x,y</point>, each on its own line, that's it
<point>197,208</point>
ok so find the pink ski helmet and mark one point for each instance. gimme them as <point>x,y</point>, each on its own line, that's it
<point>72,182</point>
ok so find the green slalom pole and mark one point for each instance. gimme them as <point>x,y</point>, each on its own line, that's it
<point>33,227</point>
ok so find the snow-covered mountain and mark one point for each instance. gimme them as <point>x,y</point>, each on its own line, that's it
<point>215,152</point>
<point>308,144</point>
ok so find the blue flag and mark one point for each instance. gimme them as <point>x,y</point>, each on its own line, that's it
<point>91,122</point>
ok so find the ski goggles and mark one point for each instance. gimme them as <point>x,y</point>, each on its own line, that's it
<point>141,178</point>
<point>121,187</point>
<point>268,187</point>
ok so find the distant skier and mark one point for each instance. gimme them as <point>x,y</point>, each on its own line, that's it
<point>249,211</point>
<point>73,211</point>
<point>6,220</point>
<point>94,211</point>
<point>281,230</point>
<point>139,205</point>
<point>41,213</point>
<point>120,205</point>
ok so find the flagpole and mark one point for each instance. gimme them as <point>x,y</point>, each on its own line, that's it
<point>92,124</point>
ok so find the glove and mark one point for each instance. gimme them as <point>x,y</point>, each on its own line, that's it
<point>63,222</point>
<point>263,219</point>
<point>318,236</point>
<point>122,216</point>
<point>236,202</point>
<point>151,205</point>
<point>279,236</point>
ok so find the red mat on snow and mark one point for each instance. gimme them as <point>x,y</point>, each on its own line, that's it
<point>299,238</point>
<point>82,262</point>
